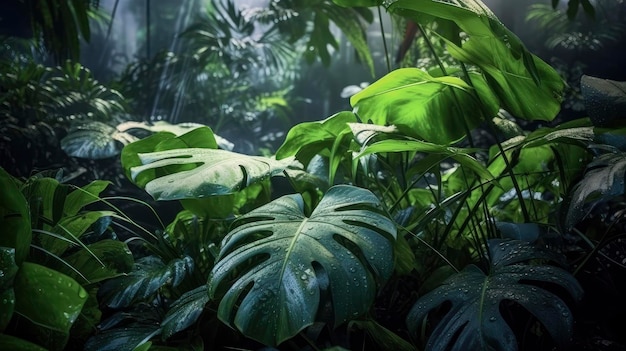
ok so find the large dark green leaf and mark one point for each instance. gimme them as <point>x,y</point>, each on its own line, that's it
<point>474,320</point>
<point>603,180</point>
<point>150,274</point>
<point>526,86</point>
<point>185,311</point>
<point>122,339</point>
<point>8,269</point>
<point>434,109</point>
<point>50,301</point>
<point>215,172</point>
<point>277,268</point>
<point>15,228</point>
<point>605,100</point>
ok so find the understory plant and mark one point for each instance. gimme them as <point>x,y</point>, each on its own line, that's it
<point>394,191</point>
<point>424,218</point>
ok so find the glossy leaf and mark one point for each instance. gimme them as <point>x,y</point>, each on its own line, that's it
<point>515,75</point>
<point>185,311</point>
<point>429,108</point>
<point>8,269</point>
<point>71,228</point>
<point>118,339</point>
<point>308,139</point>
<point>15,225</point>
<point>215,172</point>
<point>51,301</point>
<point>459,155</point>
<point>605,100</point>
<point>276,265</point>
<point>99,261</point>
<point>474,320</point>
<point>603,180</point>
<point>81,197</point>
<point>150,275</point>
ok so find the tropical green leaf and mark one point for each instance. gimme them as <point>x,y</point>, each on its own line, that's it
<point>71,228</point>
<point>603,180</point>
<point>458,154</point>
<point>150,275</point>
<point>185,311</point>
<point>216,172</point>
<point>122,339</point>
<point>429,108</point>
<point>8,269</point>
<point>277,268</point>
<point>605,100</point>
<point>84,196</point>
<point>308,139</point>
<point>50,301</point>
<point>15,224</point>
<point>475,322</point>
<point>99,261</point>
<point>514,74</point>
<point>350,24</point>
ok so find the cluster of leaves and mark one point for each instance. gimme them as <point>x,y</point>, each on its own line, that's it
<point>392,190</point>
<point>55,253</point>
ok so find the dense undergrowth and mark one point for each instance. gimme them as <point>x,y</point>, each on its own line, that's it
<point>447,210</point>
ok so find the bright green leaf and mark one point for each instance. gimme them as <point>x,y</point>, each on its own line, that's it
<point>526,86</point>
<point>429,108</point>
<point>51,301</point>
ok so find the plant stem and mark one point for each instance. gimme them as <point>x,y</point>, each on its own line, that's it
<point>382,32</point>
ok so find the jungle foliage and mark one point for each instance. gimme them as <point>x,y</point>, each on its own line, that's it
<point>394,225</point>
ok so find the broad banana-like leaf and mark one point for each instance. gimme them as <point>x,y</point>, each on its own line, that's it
<point>434,109</point>
<point>474,320</point>
<point>526,86</point>
<point>213,172</point>
<point>278,268</point>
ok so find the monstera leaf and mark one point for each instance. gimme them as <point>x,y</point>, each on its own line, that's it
<point>474,321</point>
<point>200,172</point>
<point>278,268</point>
